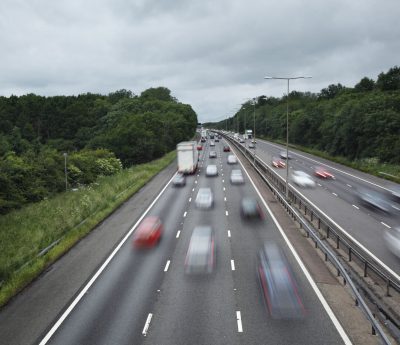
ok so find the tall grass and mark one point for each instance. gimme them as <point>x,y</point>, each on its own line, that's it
<point>67,217</point>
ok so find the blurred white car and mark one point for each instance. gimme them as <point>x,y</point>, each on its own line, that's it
<point>392,239</point>
<point>302,179</point>
<point>232,159</point>
<point>237,176</point>
<point>211,170</point>
<point>212,143</point>
<point>204,198</point>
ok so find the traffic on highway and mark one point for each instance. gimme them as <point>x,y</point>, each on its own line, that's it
<point>207,264</point>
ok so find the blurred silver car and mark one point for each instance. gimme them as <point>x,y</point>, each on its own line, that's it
<point>283,155</point>
<point>237,176</point>
<point>392,239</point>
<point>211,170</point>
<point>212,143</point>
<point>179,180</point>
<point>375,200</point>
<point>212,154</point>
<point>232,159</point>
<point>204,198</point>
<point>200,257</point>
<point>302,179</point>
<point>251,146</point>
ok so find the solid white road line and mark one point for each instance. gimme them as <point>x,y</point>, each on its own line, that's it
<point>147,324</point>
<point>232,265</point>
<point>178,233</point>
<point>356,207</point>
<point>314,286</point>
<point>167,265</point>
<point>239,322</point>
<point>389,227</point>
<point>229,233</point>
<point>100,270</point>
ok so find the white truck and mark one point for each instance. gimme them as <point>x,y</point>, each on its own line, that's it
<point>248,134</point>
<point>188,157</point>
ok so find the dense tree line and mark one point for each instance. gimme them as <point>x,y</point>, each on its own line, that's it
<point>358,122</point>
<point>99,134</point>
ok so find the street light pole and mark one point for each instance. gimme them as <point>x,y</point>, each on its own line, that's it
<point>254,130</point>
<point>287,127</point>
<point>65,171</point>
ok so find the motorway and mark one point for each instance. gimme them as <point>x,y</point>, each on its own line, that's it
<point>144,297</point>
<point>338,199</point>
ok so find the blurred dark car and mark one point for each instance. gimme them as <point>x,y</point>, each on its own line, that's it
<point>227,148</point>
<point>374,200</point>
<point>250,209</point>
<point>148,233</point>
<point>212,154</point>
<point>216,140</point>
<point>179,180</point>
<point>203,140</point>
<point>278,285</point>
<point>323,172</point>
<point>283,155</point>
<point>200,257</point>
<point>395,193</point>
<point>278,162</point>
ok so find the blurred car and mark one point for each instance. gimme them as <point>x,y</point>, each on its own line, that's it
<point>204,198</point>
<point>199,148</point>
<point>322,172</point>
<point>395,193</point>
<point>203,140</point>
<point>200,257</point>
<point>251,145</point>
<point>392,239</point>
<point>237,176</point>
<point>227,148</point>
<point>283,155</point>
<point>250,209</point>
<point>212,143</point>
<point>219,136</point>
<point>278,285</point>
<point>241,140</point>
<point>302,179</point>
<point>278,162</point>
<point>232,159</point>
<point>179,180</point>
<point>212,154</point>
<point>216,139</point>
<point>373,199</point>
<point>211,170</point>
<point>148,233</point>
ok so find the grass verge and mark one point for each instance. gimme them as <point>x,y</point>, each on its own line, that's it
<point>368,165</point>
<point>66,218</point>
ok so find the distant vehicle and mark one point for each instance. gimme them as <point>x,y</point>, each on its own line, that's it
<point>200,257</point>
<point>179,180</point>
<point>227,148</point>
<point>250,209</point>
<point>211,170</point>
<point>211,135</point>
<point>219,136</point>
<point>278,285</point>
<point>199,148</point>
<point>149,232</point>
<point>322,172</point>
<point>216,139</point>
<point>188,157</point>
<point>237,176</point>
<point>203,139</point>
<point>248,134</point>
<point>395,193</point>
<point>251,145</point>
<point>212,154</point>
<point>241,140</point>
<point>204,198</point>
<point>283,155</point>
<point>278,162</point>
<point>302,179</point>
<point>375,200</point>
<point>232,159</point>
<point>212,143</point>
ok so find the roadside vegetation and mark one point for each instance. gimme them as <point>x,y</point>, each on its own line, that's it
<point>358,126</point>
<point>34,237</point>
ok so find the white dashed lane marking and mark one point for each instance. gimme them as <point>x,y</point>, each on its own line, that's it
<point>233,265</point>
<point>167,265</point>
<point>147,324</point>
<point>178,233</point>
<point>356,207</point>
<point>229,233</point>
<point>389,227</point>
<point>239,322</point>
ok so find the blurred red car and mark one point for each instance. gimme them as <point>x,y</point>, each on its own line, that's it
<point>149,232</point>
<point>199,148</point>
<point>278,162</point>
<point>227,149</point>
<point>322,172</point>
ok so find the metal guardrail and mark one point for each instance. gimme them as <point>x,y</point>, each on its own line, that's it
<point>278,188</point>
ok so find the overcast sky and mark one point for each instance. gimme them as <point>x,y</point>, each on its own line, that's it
<point>212,54</point>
